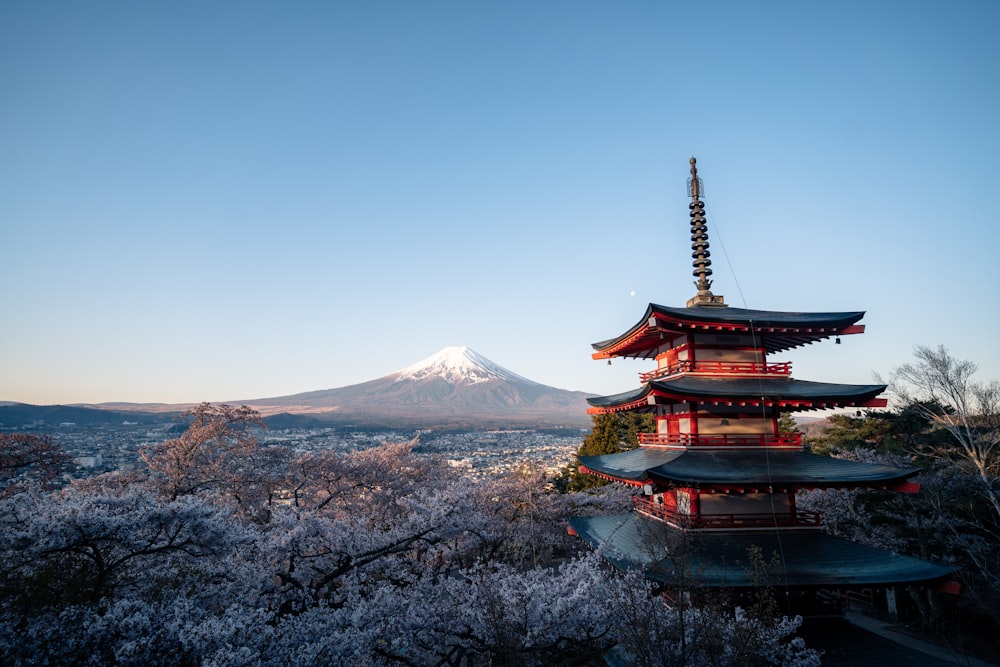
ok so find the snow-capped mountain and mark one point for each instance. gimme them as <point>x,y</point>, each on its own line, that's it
<point>456,386</point>
<point>458,365</point>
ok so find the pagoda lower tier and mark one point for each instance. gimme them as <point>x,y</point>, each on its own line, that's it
<point>723,488</point>
<point>722,559</point>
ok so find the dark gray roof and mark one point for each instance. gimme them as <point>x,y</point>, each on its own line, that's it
<point>622,398</point>
<point>752,468</point>
<point>632,464</point>
<point>760,320</point>
<point>771,389</point>
<point>720,559</point>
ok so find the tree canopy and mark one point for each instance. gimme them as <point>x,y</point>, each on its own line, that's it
<point>946,424</point>
<point>225,551</point>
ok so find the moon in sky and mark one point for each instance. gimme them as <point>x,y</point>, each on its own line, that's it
<point>632,293</point>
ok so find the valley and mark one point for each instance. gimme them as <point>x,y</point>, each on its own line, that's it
<point>476,454</point>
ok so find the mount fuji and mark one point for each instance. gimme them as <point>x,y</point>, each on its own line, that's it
<point>456,387</point>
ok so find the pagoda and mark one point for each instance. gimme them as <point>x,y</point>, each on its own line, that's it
<point>716,478</point>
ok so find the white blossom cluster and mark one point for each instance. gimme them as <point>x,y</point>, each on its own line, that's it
<point>229,554</point>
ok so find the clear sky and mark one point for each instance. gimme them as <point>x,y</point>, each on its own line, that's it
<point>232,200</point>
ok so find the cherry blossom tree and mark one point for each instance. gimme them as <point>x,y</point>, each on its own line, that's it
<point>84,546</point>
<point>82,571</point>
<point>653,634</point>
<point>27,459</point>
<point>219,453</point>
<point>367,481</point>
<point>379,557</point>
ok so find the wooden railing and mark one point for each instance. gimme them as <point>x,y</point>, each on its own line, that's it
<point>789,441</point>
<point>798,519</point>
<point>719,367</point>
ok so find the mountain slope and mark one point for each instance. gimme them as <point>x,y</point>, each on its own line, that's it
<point>456,386</point>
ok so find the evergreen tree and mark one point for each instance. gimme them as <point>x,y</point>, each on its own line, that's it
<point>847,433</point>
<point>787,424</point>
<point>610,433</point>
<point>903,431</point>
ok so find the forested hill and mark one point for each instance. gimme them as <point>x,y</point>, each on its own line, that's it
<point>22,415</point>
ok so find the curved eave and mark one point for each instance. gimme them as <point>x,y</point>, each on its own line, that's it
<point>740,392</point>
<point>809,559</point>
<point>628,466</point>
<point>777,330</point>
<point>743,470</point>
<point>637,400</point>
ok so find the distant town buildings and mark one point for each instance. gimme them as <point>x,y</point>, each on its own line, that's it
<point>97,449</point>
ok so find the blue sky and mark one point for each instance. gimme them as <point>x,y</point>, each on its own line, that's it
<point>232,200</point>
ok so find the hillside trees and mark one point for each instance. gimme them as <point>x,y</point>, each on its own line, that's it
<point>82,546</point>
<point>367,482</point>
<point>219,453</point>
<point>946,424</point>
<point>378,557</point>
<point>970,414</point>
<point>845,433</point>
<point>517,520</point>
<point>216,444</point>
<point>939,523</point>
<point>27,459</point>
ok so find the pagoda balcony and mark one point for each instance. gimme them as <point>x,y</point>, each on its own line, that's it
<point>723,440</point>
<point>719,368</point>
<point>798,519</point>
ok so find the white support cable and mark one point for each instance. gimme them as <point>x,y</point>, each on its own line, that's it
<point>725,254</point>
<point>763,407</point>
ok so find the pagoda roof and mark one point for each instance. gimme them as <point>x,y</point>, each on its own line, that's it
<point>743,469</point>
<point>718,559</point>
<point>782,392</point>
<point>777,330</point>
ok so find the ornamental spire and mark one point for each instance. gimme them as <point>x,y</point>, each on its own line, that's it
<point>699,245</point>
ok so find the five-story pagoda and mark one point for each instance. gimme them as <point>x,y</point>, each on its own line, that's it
<point>716,475</point>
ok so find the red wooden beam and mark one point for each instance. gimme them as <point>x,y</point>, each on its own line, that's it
<point>949,587</point>
<point>906,487</point>
<point>584,470</point>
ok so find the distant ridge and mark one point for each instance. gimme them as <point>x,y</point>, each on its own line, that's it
<point>23,416</point>
<point>455,387</point>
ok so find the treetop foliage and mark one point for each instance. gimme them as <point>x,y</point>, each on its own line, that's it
<point>27,460</point>
<point>227,552</point>
<point>946,424</point>
<point>941,388</point>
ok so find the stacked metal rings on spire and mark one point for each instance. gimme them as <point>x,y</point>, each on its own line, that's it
<point>699,245</point>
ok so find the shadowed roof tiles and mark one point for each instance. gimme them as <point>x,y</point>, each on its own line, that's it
<point>745,389</point>
<point>751,468</point>
<point>722,559</point>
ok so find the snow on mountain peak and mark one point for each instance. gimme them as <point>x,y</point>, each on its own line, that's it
<point>458,365</point>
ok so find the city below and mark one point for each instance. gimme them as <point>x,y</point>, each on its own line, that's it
<point>99,449</point>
